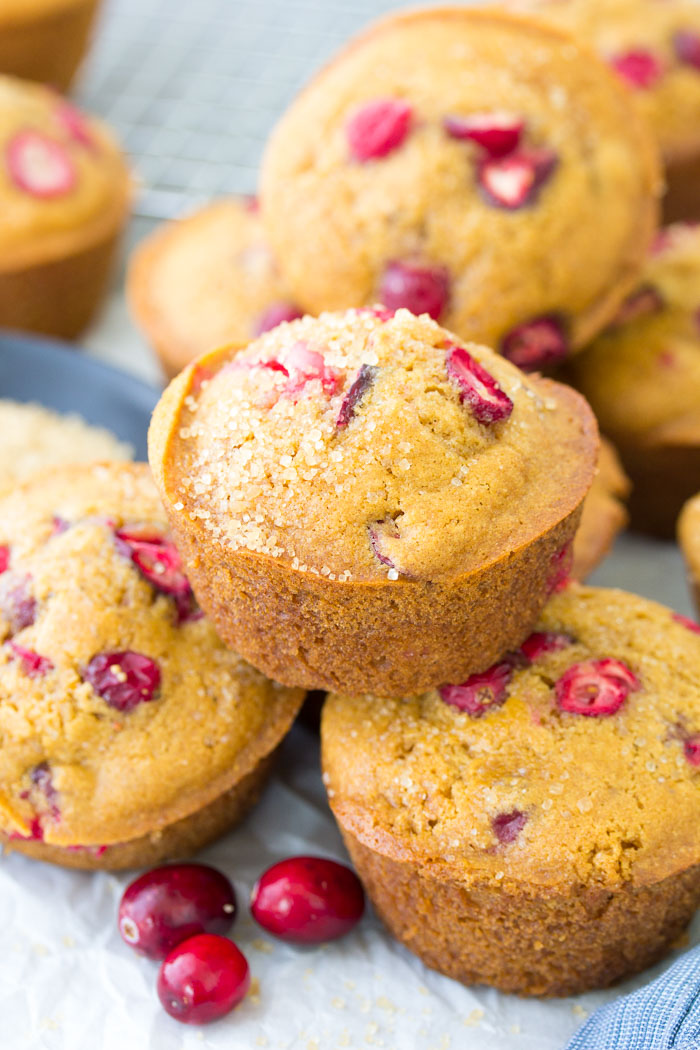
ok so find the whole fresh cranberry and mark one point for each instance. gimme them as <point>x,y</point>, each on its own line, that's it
<point>595,687</point>
<point>202,979</point>
<point>167,905</point>
<point>308,900</point>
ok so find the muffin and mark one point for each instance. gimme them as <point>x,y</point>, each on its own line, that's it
<point>655,48</point>
<point>33,438</point>
<point>642,379</point>
<point>604,513</point>
<point>362,502</point>
<point>65,190</point>
<point>207,280</point>
<point>514,830</point>
<point>689,539</point>
<point>128,732</point>
<point>468,164</point>
<point>45,40</point>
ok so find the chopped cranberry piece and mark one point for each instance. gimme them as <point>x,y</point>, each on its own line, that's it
<point>488,402</point>
<point>480,692</point>
<point>687,47</point>
<point>595,687</point>
<point>202,979</point>
<point>536,344</point>
<point>41,777</point>
<point>156,558</point>
<point>378,128</point>
<point>274,315</point>
<point>308,900</point>
<point>382,315</point>
<point>167,905</point>
<point>507,826</point>
<point>4,557</point>
<point>686,622</point>
<point>36,832</point>
<point>305,365</point>
<point>123,679</point>
<point>39,165</point>
<point>640,68</point>
<point>363,381</point>
<point>74,123</point>
<point>645,300</point>
<point>691,749</point>
<point>497,133</point>
<point>59,525</point>
<point>560,563</point>
<point>514,181</point>
<point>420,289</point>
<point>251,204</point>
<point>377,531</point>
<point>541,642</point>
<point>33,665</point>
<point>17,603</point>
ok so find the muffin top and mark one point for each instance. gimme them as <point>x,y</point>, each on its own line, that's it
<point>654,45</point>
<point>120,708</point>
<point>558,766</point>
<point>604,513</point>
<point>470,164</point>
<point>207,280</point>
<point>62,175</point>
<point>689,537</point>
<point>21,10</point>
<point>642,375</point>
<point>33,438</point>
<point>363,446</point>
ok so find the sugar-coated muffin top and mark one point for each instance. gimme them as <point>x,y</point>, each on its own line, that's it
<point>642,375</point>
<point>61,174</point>
<point>120,708</point>
<point>604,513</point>
<point>363,446</point>
<point>471,164</point>
<point>654,45</point>
<point>689,537</point>
<point>574,761</point>
<point>207,280</point>
<point>33,438</point>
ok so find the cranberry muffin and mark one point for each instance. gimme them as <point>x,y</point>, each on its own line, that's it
<point>207,280</point>
<point>45,40</point>
<point>128,732</point>
<point>604,513</point>
<point>655,48</point>
<point>468,164</point>
<point>642,379</point>
<point>513,829</point>
<point>33,438</point>
<point>361,499</point>
<point>689,539</point>
<point>64,195</point>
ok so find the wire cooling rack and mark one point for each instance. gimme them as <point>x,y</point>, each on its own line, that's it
<point>193,87</point>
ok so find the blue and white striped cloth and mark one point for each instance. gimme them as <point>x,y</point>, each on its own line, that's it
<point>664,1015</point>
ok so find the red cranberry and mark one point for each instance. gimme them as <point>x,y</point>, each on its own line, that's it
<point>305,365</point>
<point>595,687</point>
<point>497,133</point>
<point>488,402</point>
<point>36,832</point>
<point>691,749</point>
<point>541,642</point>
<point>275,314</point>
<point>687,47</point>
<point>536,344</point>
<point>641,69</point>
<point>480,692</point>
<point>378,312</point>
<point>59,525</point>
<point>42,779</point>
<point>514,181</point>
<point>169,904</point>
<point>560,564</point>
<point>39,165</point>
<point>251,204</point>
<point>420,289</point>
<point>378,530</point>
<point>123,679</point>
<point>363,381</point>
<point>74,124</point>
<point>4,557</point>
<point>644,301</point>
<point>33,665</point>
<point>17,603</point>
<point>308,900</point>
<point>157,559</point>
<point>378,128</point>
<point>202,979</point>
<point>507,826</point>
<point>686,622</point>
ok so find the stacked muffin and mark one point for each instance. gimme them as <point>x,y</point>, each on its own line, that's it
<point>369,504</point>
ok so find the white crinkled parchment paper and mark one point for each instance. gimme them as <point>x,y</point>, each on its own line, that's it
<point>67,982</point>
